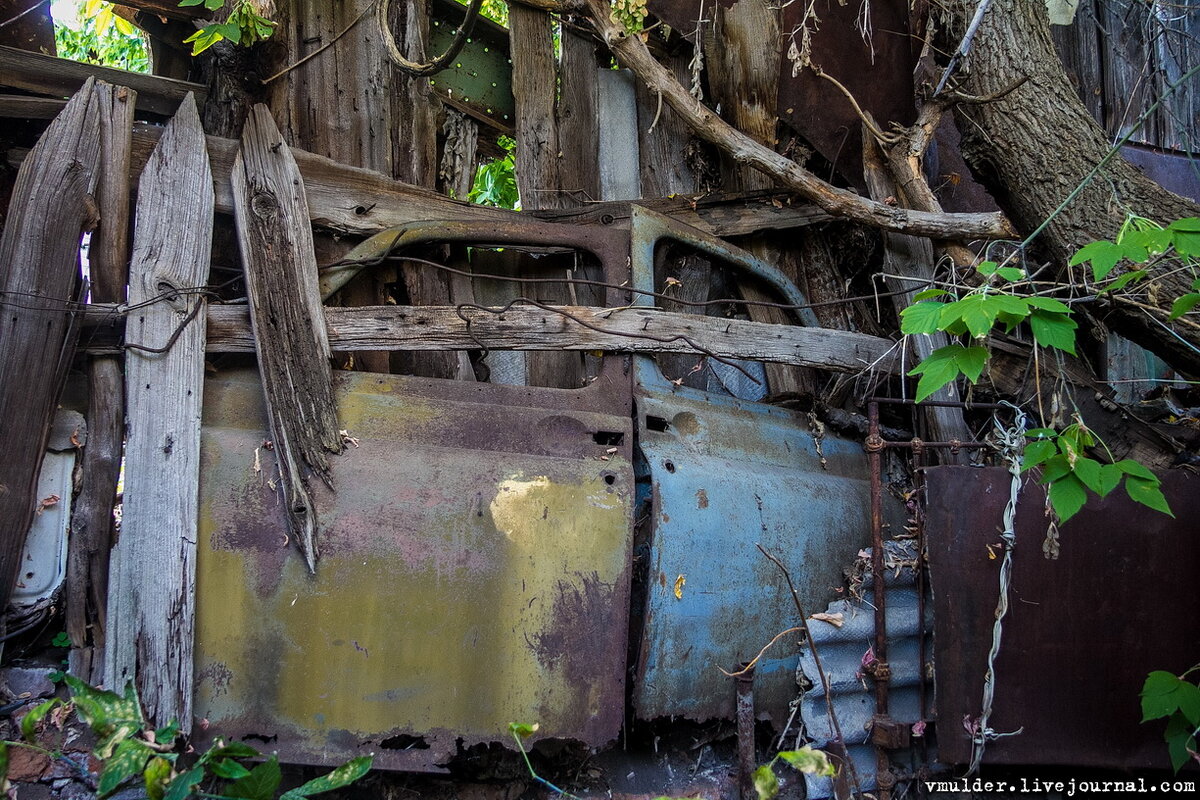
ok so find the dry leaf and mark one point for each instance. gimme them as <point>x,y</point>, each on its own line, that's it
<point>679,582</point>
<point>836,620</point>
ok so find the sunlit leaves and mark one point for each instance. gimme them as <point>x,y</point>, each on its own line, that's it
<point>244,26</point>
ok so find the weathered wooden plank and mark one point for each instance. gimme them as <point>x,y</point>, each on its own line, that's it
<point>578,125</point>
<point>60,77</point>
<point>14,106</point>
<point>912,257</point>
<point>529,328</point>
<point>39,250</point>
<point>341,198</point>
<point>617,113</point>
<point>538,163</point>
<point>92,519</point>
<point>151,600</point>
<point>275,240</point>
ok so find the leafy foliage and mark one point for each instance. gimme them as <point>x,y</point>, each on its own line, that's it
<point>128,748</point>
<point>814,762</point>
<point>100,37</point>
<point>496,181</point>
<point>244,26</point>
<point>1070,474</point>
<point>630,14</point>
<point>1169,696</point>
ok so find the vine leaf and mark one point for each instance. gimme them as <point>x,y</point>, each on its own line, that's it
<point>1067,495</point>
<point>1053,330</point>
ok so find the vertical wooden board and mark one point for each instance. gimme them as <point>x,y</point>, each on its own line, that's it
<point>663,138</point>
<point>619,162</point>
<point>1079,45</point>
<point>538,157</point>
<point>39,251</point>
<point>319,111</point>
<point>151,602</point>
<point>92,520</point>
<point>1128,83</point>
<point>276,242</point>
<point>578,124</point>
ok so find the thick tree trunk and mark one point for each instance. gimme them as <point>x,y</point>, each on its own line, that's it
<point>1037,143</point>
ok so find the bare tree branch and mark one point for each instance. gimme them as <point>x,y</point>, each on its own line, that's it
<point>632,52</point>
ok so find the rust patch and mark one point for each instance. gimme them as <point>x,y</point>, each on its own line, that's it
<point>701,498</point>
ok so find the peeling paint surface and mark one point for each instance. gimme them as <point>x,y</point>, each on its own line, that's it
<point>473,573</point>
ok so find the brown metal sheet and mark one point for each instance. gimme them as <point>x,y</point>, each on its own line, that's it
<point>1082,631</point>
<point>474,572</point>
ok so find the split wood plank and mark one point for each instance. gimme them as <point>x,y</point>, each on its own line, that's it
<point>276,243</point>
<point>51,207</point>
<point>625,330</point>
<point>151,600</point>
<point>92,517</point>
<point>60,77</point>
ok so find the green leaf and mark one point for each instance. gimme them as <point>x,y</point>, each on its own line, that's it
<point>523,729</point>
<point>1131,467</point>
<point>1089,472</point>
<point>186,3</point>
<point>30,721</point>
<point>970,361</point>
<point>181,787</point>
<point>765,782</point>
<point>1011,304</point>
<point>231,31</point>
<point>1185,224</point>
<point>1049,304</point>
<point>228,750</point>
<point>1189,702</point>
<point>1067,495</point>
<point>167,733</point>
<point>1147,493</point>
<point>930,293</point>
<point>1036,452</point>
<point>1102,255</point>
<point>128,760</point>
<point>156,775</point>
<point>1041,433</point>
<point>229,769</point>
<point>1053,330</point>
<point>344,775</point>
<point>1011,273</point>
<point>921,318</point>
<point>113,718</point>
<point>936,371</point>
<point>1055,468</point>
<point>1110,478</point>
<point>3,762</point>
<point>1180,739</point>
<point>260,784</point>
<point>1123,280</point>
<point>977,312</point>
<point>987,268</point>
<point>1183,305</point>
<point>811,761</point>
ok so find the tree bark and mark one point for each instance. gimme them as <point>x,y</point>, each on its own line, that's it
<point>1032,147</point>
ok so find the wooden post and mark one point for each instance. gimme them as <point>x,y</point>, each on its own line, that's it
<point>151,601</point>
<point>275,238</point>
<point>92,520</point>
<point>39,250</point>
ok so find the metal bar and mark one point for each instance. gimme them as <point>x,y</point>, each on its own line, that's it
<point>745,731</point>
<point>882,671</point>
<point>895,401</point>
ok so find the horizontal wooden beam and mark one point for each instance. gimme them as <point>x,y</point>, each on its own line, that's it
<point>340,198</point>
<point>14,106</point>
<point>61,77</point>
<point>720,215</point>
<point>167,8</point>
<point>631,330</point>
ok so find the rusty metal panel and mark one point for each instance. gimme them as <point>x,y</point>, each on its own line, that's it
<point>725,475</point>
<point>474,572</point>
<point>479,81</point>
<point>1082,632</point>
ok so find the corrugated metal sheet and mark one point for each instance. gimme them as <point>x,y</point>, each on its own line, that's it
<point>474,573</point>
<point>1082,631</point>
<point>843,651</point>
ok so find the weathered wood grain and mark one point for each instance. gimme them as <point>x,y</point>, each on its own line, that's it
<point>276,243</point>
<point>151,600</point>
<point>912,257</point>
<point>39,252</point>
<point>92,517</point>
<point>60,77</point>
<point>628,330</point>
